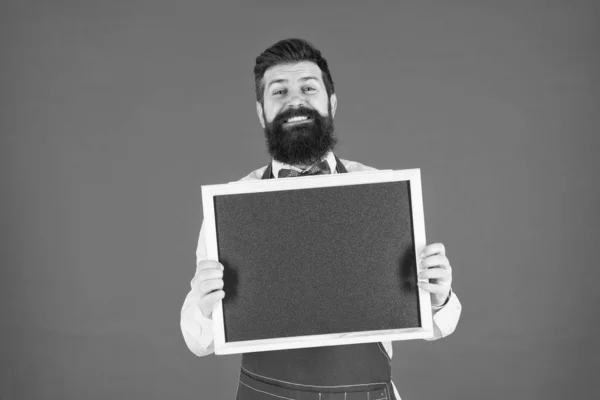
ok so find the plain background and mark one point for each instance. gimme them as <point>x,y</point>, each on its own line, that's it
<point>114,113</point>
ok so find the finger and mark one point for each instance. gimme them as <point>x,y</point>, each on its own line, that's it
<point>435,261</point>
<point>434,273</point>
<point>436,248</point>
<point>206,264</point>
<point>213,297</point>
<point>209,302</point>
<point>206,287</point>
<point>433,287</point>
<point>205,274</point>
<point>211,273</point>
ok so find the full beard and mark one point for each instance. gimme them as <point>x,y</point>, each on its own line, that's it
<point>303,144</point>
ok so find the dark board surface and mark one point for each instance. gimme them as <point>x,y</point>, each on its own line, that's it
<point>317,261</point>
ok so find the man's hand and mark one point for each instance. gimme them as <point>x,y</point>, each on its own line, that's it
<point>435,267</point>
<point>208,283</point>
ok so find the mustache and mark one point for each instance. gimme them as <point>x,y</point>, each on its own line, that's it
<point>296,112</point>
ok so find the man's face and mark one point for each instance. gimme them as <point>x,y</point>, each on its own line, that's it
<point>296,113</point>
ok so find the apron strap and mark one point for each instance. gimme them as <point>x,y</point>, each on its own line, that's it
<point>268,174</point>
<point>340,166</point>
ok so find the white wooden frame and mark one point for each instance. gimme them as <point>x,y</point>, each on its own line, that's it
<point>319,181</point>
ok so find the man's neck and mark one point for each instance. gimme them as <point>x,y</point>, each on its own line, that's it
<point>277,165</point>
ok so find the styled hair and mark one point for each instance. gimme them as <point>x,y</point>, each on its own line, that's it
<point>289,51</point>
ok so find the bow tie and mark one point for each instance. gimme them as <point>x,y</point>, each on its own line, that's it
<point>321,168</point>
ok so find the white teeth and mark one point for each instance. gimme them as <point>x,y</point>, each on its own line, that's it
<point>295,119</point>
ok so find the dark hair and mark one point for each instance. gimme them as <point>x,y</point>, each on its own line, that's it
<point>286,52</point>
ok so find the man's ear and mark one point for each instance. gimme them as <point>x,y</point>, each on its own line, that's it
<point>259,111</point>
<point>333,101</point>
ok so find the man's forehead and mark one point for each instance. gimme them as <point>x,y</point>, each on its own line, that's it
<point>292,71</point>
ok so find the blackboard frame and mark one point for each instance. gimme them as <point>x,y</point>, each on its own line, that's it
<point>413,176</point>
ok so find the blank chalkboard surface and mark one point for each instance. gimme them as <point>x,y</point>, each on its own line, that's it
<point>317,261</point>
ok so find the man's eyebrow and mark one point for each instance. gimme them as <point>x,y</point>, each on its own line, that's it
<point>276,81</point>
<point>303,79</point>
<point>307,78</point>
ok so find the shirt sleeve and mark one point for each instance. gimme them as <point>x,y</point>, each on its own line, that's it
<point>195,327</point>
<point>446,318</point>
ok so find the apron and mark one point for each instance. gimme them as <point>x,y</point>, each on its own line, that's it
<point>347,372</point>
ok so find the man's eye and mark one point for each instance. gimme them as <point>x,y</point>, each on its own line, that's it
<point>279,92</point>
<point>308,89</point>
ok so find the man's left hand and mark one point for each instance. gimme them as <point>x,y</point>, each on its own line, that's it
<point>435,267</point>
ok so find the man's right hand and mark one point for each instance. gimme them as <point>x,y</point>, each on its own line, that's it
<point>208,283</point>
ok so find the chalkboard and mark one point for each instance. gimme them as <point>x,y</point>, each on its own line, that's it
<point>317,261</point>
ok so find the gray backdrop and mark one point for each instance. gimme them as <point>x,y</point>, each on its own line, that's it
<point>113,113</point>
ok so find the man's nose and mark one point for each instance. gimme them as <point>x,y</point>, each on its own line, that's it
<point>296,100</point>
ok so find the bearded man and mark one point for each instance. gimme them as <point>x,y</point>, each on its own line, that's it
<point>296,104</point>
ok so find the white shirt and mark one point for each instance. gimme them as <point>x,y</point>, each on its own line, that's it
<point>197,329</point>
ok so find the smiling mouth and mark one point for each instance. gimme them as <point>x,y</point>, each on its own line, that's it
<point>297,121</point>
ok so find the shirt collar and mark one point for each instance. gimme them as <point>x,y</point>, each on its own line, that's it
<point>277,165</point>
